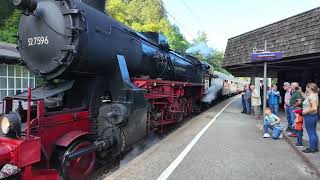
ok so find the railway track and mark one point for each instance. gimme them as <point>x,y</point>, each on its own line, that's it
<point>104,169</point>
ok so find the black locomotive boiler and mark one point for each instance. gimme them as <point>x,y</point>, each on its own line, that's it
<point>105,87</point>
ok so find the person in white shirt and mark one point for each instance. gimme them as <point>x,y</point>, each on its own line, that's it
<point>255,101</point>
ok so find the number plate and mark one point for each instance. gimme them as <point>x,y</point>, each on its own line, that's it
<point>35,41</point>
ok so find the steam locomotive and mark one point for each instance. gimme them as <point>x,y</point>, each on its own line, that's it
<point>105,87</point>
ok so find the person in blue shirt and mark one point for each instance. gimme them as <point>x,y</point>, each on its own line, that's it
<point>274,99</point>
<point>247,99</point>
<point>244,107</point>
<point>271,121</point>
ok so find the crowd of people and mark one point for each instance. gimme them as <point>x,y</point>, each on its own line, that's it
<point>301,108</point>
<point>251,101</point>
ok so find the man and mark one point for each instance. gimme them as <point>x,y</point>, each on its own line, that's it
<point>274,100</point>
<point>295,103</point>
<point>255,101</point>
<point>287,97</point>
<point>247,98</point>
<point>244,108</point>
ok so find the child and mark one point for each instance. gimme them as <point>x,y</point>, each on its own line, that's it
<point>298,127</point>
<point>273,122</point>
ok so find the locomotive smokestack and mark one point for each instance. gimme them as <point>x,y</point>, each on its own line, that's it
<point>27,6</point>
<point>97,4</point>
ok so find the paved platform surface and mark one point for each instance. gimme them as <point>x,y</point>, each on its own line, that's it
<point>231,148</point>
<point>314,158</point>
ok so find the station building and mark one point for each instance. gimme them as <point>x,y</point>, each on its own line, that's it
<point>14,78</point>
<point>297,37</point>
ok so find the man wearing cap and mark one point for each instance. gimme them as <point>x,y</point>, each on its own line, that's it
<point>287,97</point>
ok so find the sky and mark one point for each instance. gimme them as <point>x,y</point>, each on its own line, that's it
<point>223,19</point>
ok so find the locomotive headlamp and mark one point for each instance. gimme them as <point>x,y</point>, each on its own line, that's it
<point>11,124</point>
<point>5,125</point>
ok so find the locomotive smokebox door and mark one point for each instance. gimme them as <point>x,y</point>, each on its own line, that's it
<point>48,39</point>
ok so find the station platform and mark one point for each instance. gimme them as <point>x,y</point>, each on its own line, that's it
<point>220,143</point>
<point>312,159</point>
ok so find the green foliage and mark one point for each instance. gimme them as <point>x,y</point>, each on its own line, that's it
<point>9,29</point>
<point>175,38</point>
<point>202,37</point>
<point>147,16</point>
<point>6,9</point>
<point>214,57</point>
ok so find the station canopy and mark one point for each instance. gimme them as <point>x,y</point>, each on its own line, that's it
<point>9,53</point>
<point>297,37</point>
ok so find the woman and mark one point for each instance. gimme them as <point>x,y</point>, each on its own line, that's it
<point>310,116</point>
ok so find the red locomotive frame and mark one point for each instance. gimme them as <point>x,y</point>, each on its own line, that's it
<point>42,135</point>
<point>169,99</point>
<point>47,131</point>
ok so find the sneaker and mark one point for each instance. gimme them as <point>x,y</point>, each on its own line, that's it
<point>281,136</point>
<point>299,145</point>
<point>266,135</point>
<point>308,150</point>
<point>288,129</point>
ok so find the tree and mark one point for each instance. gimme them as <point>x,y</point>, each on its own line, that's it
<point>202,37</point>
<point>6,9</point>
<point>147,16</point>
<point>9,29</point>
<point>202,51</point>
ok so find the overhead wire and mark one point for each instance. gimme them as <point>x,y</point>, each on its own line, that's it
<point>196,18</point>
<point>191,13</point>
<point>179,24</point>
